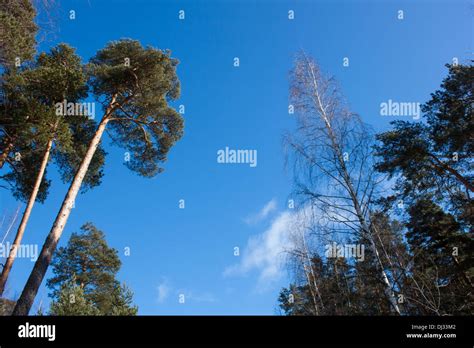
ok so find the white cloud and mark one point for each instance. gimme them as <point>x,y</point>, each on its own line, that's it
<point>263,213</point>
<point>163,291</point>
<point>266,252</point>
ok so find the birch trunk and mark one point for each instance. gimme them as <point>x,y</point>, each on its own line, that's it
<point>30,290</point>
<point>315,284</point>
<point>24,220</point>
<point>344,172</point>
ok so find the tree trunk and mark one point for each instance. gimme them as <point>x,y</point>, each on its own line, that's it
<point>5,153</point>
<point>315,284</point>
<point>388,289</point>
<point>444,167</point>
<point>25,218</point>
<point>363,223</point>
<point>30,290</point>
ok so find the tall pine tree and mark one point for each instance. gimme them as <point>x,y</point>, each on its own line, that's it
<point>55,77</point>
<point>135,85</point>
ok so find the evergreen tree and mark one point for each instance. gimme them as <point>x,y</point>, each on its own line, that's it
<point>296,300</point>
<point>18,31</point>
<point>432,163</point>
<point>135,84</point>
<point>426,257</point>
<point>435,157</point>
<point>341,286</point>
<point>56,76</point>
<point>122,301</point>
<point>17,46</point>
<point>71,301</point>
<point>92,265</point>
<point>443,260</point>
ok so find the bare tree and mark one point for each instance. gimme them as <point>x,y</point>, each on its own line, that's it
<point>300,257</point>
<point>332,150</point>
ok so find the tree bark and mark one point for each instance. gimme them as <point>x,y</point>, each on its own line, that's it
<point>444,167</point>
<point>5,153</point>
<point>30,290</point>
<point>335,145</point>
<point>24,220</point>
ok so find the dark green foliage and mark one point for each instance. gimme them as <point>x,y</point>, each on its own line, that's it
<point>71,301</point>
<point>296,300</point>
<point>68,162</point>
<point>22,177</point>
<point>93,265</point>
<point>435,158</point>
<point>450,113</point>
<point>29,121</point>
<point>337,287</point>
<point>135,85</point>
<point>81,258</point>
<point>17,31</point>
<point>57,75</point>
<point>442,257</point>
<point>432,162</point>
<point>26,153</point>
<point>122,301</point>
<point>142,121</point>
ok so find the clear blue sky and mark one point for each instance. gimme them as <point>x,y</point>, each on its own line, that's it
<point>187,251</point>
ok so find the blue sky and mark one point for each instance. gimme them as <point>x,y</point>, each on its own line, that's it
<point>190,251</point>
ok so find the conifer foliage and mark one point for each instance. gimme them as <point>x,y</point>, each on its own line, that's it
<point>422,231</point>
<point>84,281</point>
<point>134,85</point>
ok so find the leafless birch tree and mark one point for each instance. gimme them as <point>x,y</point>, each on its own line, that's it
<point>331,147</point>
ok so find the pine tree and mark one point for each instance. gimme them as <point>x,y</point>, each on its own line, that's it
<point>71,301</point>
<point>56,76</point>
<point>136,85</point>
<point>18,31</point>
<point>435,157</point>
<point>443,260</point>
<point>432,163</point>
<point>92,265</point>
<point>17,46</point>
<point>122,301</point>
<point>296,300</point>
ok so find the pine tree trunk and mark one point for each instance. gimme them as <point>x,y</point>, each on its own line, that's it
<point>5,153</point>
<point>24,220</point>
<point>30,290</point>
<point>444,167</point>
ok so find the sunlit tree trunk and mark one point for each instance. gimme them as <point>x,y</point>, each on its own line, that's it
<point>30,290</point>
<point>24,220</point>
